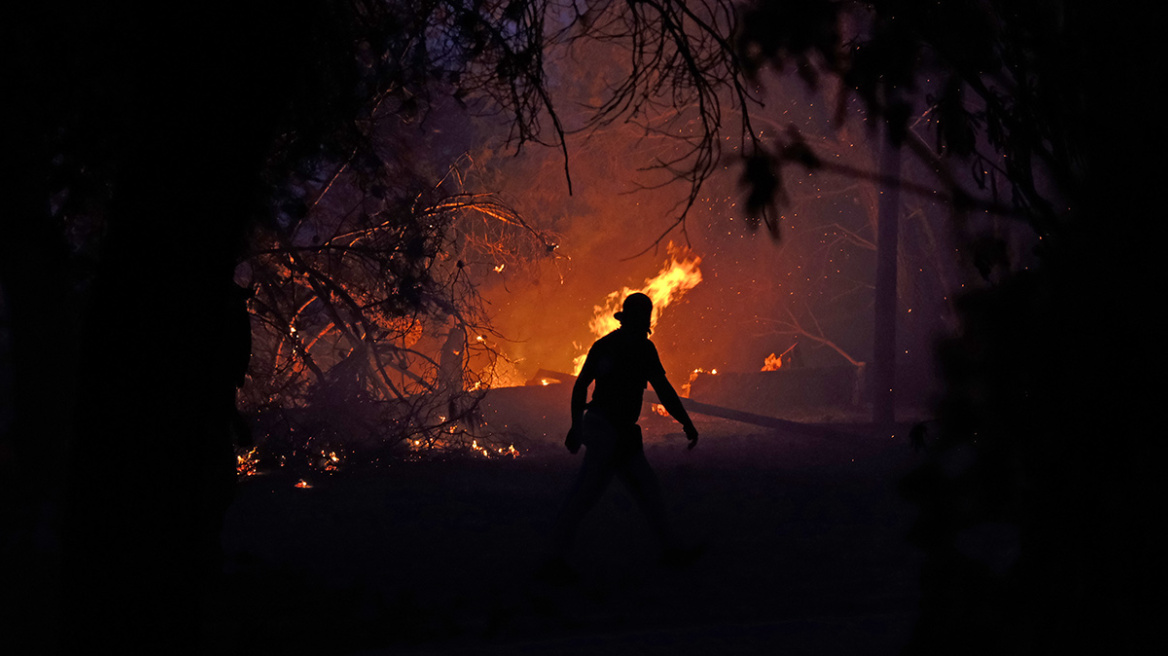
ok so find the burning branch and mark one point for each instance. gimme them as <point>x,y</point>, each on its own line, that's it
<point>350,325</point>
<point>792,326</point>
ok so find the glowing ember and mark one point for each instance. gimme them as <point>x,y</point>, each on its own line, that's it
<point>679,275</point>
<point>247,464</point>
<point>660,409</point>
<point>302,484</point>
<point>436,446</point>
<point>488,451</point>
<point>329,461</point>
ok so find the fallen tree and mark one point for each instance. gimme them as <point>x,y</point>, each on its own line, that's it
<point>708,409</point>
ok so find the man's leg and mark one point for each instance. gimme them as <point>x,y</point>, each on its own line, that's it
<point>638,477</point>
<point>634,471</point>
<point>593,478</point>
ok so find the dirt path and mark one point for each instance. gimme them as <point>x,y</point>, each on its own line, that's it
<point>804,551</point>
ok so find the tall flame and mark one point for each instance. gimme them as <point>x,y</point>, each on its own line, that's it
<point>679,275</point>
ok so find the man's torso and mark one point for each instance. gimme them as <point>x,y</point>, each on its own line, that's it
<point>622,363</point>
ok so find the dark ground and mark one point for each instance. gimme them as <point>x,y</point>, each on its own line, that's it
<point>804,538</point>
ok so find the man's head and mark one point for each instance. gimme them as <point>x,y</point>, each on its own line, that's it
<point>636,312</point>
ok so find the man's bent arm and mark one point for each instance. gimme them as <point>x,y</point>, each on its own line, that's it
<point>669,398</point>
<point>580,395</point>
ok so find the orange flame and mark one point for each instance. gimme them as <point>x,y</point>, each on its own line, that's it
<point>685,387</point>
<point>775,362</point>
<point>679,275</point>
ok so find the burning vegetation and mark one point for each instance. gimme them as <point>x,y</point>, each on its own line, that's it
<point>369,334</point>
<point>247,462</point>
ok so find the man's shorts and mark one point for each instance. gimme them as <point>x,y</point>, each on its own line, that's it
<point>602,437</point>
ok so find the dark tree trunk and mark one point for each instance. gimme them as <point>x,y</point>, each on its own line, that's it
<point>883,382</point>
<point>152,460</point>
<point>152,456</point>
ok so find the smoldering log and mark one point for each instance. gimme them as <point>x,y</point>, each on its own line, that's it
<point>699,408</point>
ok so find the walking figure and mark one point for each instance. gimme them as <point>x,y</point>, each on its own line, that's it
<point>622,364</point>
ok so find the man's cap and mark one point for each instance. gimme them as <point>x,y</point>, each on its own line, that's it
<point>636,309</point>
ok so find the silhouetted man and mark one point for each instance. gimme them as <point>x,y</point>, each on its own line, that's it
<point>622,364</point>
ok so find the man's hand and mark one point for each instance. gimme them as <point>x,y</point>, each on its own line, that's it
<point>573,440</point>
<point>691,434</point>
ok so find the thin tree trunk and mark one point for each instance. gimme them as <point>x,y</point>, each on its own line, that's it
<point>884,335</point>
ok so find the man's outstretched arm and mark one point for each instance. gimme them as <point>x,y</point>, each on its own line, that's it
<point>672,402</point>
